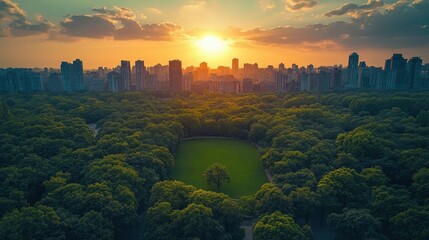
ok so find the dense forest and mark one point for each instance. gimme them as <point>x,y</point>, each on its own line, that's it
<point>358,162</point>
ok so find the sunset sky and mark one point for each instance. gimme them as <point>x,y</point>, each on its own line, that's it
<point>39,33</point>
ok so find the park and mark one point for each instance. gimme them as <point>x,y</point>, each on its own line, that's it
<point>240,158</point>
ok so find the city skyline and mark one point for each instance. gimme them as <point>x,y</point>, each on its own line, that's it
<point>399,73</point>
<point>268,32</point>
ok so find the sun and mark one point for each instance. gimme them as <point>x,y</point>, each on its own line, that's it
<point>212,44</point>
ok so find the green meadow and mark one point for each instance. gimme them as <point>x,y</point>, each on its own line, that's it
<point>240,158</point>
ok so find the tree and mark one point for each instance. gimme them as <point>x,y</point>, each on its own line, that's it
<point>302,178</point>
<point>304,202</point>
<point>374,177</point>
<point>216,174</point>
<point>354,224</point>
<point>388,201</point>
<point>341,188</point>
<point>174,192</point>
<point>39,222</point>
<point>224,209</point>
<point>421,184</point>
<point>411,224</point>
<point>278,226</point>
<point>422,118</point>
<point>361,143</point>
<point>257,132</point>
<point>196,222</point>
<point>270,198</point>
<point>91,226</point>
<point>5,111</point>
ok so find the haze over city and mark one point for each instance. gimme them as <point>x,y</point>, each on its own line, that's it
<point>101,33</point>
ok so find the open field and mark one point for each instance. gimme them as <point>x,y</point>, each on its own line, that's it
<point>239,157</point>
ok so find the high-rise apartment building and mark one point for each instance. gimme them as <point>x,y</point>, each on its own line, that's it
<point>414,68</point>
<point>113,79</point>
<point>353,71</point>
<point>235,67</point>
<point>72,75</point>
<point>140,74</point>
<point>175,75</point>
<point>125,82</point>
<point>396,72</point>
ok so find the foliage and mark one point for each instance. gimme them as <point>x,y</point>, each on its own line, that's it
<point>326,152</point>
<point>277,226</point>
<point>216,174</point>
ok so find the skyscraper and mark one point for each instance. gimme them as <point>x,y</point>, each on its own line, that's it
<point>188,79</point>
<point>336,81</point>
<point>78,75</point>
<point>125,83</point>
<point>72,75</point>
<point>66,76</point>
<point>175,75</point>
<point>396,74</point>
<point>203,72</point>
<point>353,71</point>
<point>414,68</point>
<point>140,74</point>
<point>281,67</point>
<point>113,79</point>
<point>235,66</point>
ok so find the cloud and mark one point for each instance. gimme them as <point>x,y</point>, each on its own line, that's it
<point>116,12</point>
<point>117,23</point>
<point>14,22</point>
<point>194,5</point>
<point>154,11</point>
<point>352,8</point>
<point>295,5</point>
<point>400,26</point>
<point>89,26</point>
<point>267,4</point>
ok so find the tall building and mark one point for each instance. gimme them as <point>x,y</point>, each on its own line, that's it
<point>414,68</point>
<point>175,75</point>
<point>66,76</point>
<point>336,79</point>
<point>113,79</point>
<point>323,81</point>
<point>125,82</point>
<point>202,73</point>
<point>72,75</point>
<point>310,69</point>
<point>282,80</point>
<point>352,71</point>
<point>235,67</point>
<point>78,75</point>
<point>371,77</point>
<point>246,85</point>
<point>396,72</point>
<point>282,67</point>
<point>251,71</point>
<point>188,79</point>
<point>140,74</point>
<point>54,83</point>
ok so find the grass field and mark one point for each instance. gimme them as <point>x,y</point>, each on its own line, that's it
<point>240,158</point>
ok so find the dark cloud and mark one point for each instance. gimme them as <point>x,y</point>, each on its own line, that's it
<point>14,22</point>
<point>118,23</point>
<point>354,8</point>
<point>295,5</point>
<point>401,25</point>
<point>87,26</point>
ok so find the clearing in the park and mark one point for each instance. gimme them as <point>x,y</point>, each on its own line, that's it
<point>240,158</point>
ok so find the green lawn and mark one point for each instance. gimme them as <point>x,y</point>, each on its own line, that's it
<point>240,158</point>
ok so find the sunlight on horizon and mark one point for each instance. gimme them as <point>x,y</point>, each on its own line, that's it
<point>211,44</point>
